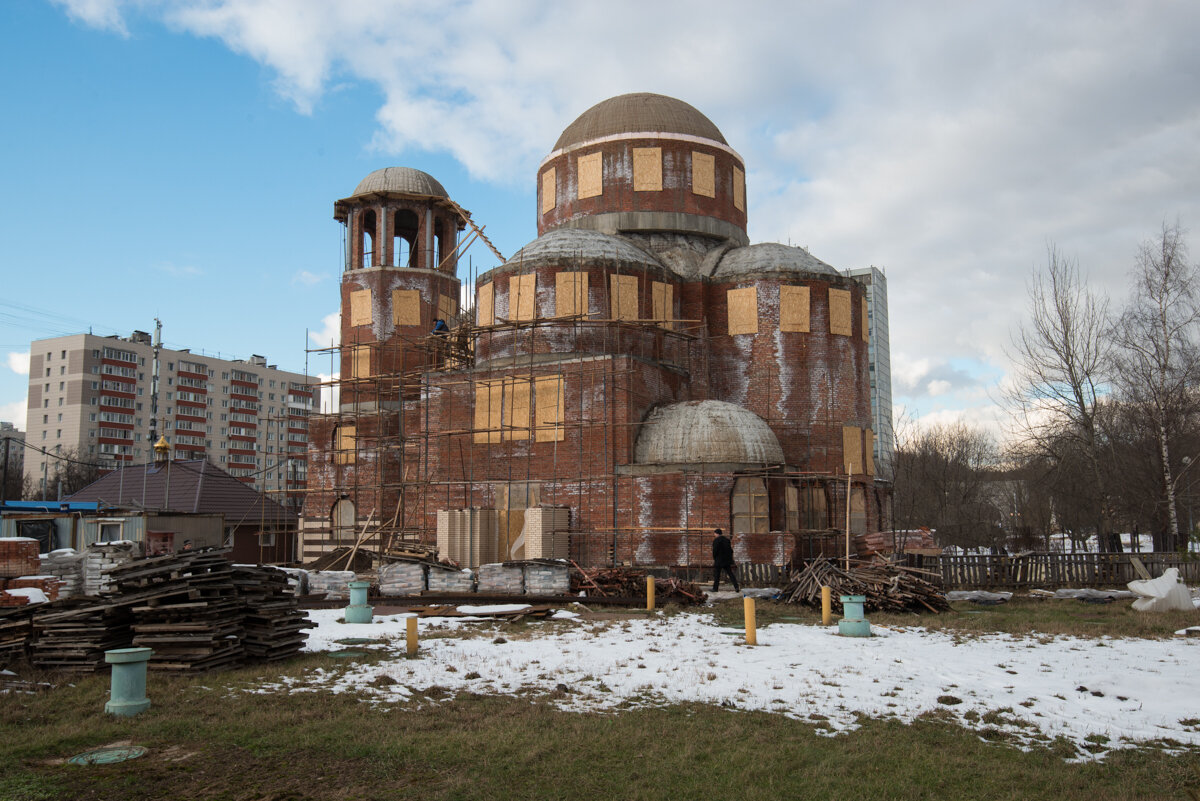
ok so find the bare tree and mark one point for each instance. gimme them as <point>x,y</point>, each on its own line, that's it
<point>943,476</point>
<point>1158,364</point>
<point>1060,353</point>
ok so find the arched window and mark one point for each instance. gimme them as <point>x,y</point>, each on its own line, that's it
<point>751,512</point>
<point>341,520</point>
<point>404,238</point>
<point>366,241</point>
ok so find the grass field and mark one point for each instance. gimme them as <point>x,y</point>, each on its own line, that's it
<point>211,737</point>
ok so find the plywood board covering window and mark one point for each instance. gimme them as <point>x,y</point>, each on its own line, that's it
<point>866,331</point>
<point>485,306</point>
<point>869,451</point>
<point>447,306</point>
<point>406,307</point>
<point>624,290</point>
<point>839,312</point>
<point>852,461</point>
<point>743,310</point>
<point>591,175</point>
<point>360,307</point>
<point>516,408</point>
<point>703,174</point>
<point>663,296</point>
<point>647,169</point>
<point>548,408</point>
<point>793,309</point>
<point>739,189</point>
<point>360,361</point>
<point>345,444</point>
<point>751,511</point>
<point>522,294</point>
<point>570,294</point>
<point>549,184</point>
<point>488,407</point>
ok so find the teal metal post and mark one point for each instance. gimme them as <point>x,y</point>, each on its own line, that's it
<point>128,694</point>
<point>853,624</point>
<point>358,611</point>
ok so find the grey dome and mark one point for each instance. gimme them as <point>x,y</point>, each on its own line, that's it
<point>706,432</point>
<point>641,112</point>
<point>405,180</point>
<point>563,244</point>
<point>771,257</point>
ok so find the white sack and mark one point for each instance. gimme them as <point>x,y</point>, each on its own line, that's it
<point>1163,594</point>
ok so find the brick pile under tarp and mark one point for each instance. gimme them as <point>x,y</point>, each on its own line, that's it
<point>403,578</point>
<point>501,579</point>
<point>887,587</point>
<point>450,580</point>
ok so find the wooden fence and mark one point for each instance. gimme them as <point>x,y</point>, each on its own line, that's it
<point>1052,570</point>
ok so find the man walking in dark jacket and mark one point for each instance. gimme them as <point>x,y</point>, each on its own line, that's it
<point>722,550</point>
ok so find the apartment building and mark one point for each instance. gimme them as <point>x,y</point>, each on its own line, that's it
<point>95,395</point>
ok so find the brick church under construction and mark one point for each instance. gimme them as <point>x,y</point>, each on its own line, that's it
<point>640,368</point>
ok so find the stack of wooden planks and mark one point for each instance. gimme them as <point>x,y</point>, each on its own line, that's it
<point>887,587</point>
<point>16,626</point>
<point>625,583</point>
<point>273,623</point>
<point>73,635</point>
<point>186,608</point>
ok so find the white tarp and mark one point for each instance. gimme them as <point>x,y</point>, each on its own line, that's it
<point>1163,594</point>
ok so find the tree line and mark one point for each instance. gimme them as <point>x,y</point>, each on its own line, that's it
<point>1104,402</point>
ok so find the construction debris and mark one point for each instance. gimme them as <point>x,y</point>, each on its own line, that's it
<point>887,587</point>
<point>625,583</point>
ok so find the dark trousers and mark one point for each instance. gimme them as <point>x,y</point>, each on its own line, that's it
<point>717,576</point>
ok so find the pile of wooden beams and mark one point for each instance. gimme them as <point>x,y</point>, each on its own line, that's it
<point>887,587</point>
<point>273,623</point>
<point>73,635</point>
<point>16,626</point>
<point>187,609</point>
<point>625,583</point>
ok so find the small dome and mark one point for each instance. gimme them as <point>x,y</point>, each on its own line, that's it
<point>563,244</point>
<point>771,257</point>
<point>638,113</point>
<point>405,180</point>
<point>706,432</point>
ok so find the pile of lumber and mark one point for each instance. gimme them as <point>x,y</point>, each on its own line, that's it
<point>186,608</point>
<point>16,626</point>
<point>887,587</point>
<point>620,582</point>
<point>273,623</point>
<point>73,635</point>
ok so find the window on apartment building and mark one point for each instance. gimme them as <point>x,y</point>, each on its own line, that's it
<point>64,354</point>
<point>91,433</point>
<point>95,369</point>
<point>60,417</point>
<point>59,434</point>
<point>49,355</point>
<point>168,382</point>
<point>92,417</point>
<point>46,388</point>
<point>95,385</point>
<point>60,400</point>
<point>45,419</point>
<point>142,361</point>
<point>46,402</point>
<point>139,392</point>
<point>92,402</point>
<point>91,448</point>
<point>222,460</point>
<point>139,408</point>
<point>170,395</point>
<point>224,417</point>
<point>170,366</point>
<point>96,353</point>
<point>62,371</point>
<point>47,372</point>
<point>62,385</point>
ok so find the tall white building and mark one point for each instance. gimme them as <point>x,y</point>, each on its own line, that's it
<point>880,365</point>
<point>95,396</point>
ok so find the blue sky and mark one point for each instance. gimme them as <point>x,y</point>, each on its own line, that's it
<point>181,159</point>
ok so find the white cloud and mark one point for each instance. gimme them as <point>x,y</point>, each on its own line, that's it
<point>938,387</point>
<point>947,142</point>
<point>14,413</point>
<point>307,279</point>
<point>102,14</point>
<point>330,332</point>
<point>18,362</point>
<point>330,393</point>
<point>179,270</point>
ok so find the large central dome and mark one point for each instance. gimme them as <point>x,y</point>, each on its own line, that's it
<point>638,113</point>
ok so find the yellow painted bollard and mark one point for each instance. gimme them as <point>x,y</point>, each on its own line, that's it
<point>826,606</point>
<point>412,636</point>
<point>751,633</point>
<point>649,593</point>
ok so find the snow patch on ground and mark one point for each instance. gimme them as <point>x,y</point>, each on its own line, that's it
<point>1097,693</point>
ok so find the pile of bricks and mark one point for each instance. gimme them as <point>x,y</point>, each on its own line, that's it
<point>402,578</point>
<point>547,578</point>
<point>65,564</point>
<point>450,580</point>
<point>50,586</point>
<point>19,557</point>
<point>101,559</point>
<point>331,583</point>
<point>501,579</point>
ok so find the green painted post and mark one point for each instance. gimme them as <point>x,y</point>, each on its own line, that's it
<point>128,694</point>
<point>358,611</point>
<point>853,624</point>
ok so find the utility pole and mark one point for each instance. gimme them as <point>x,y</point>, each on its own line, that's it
<point>154,384</point>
